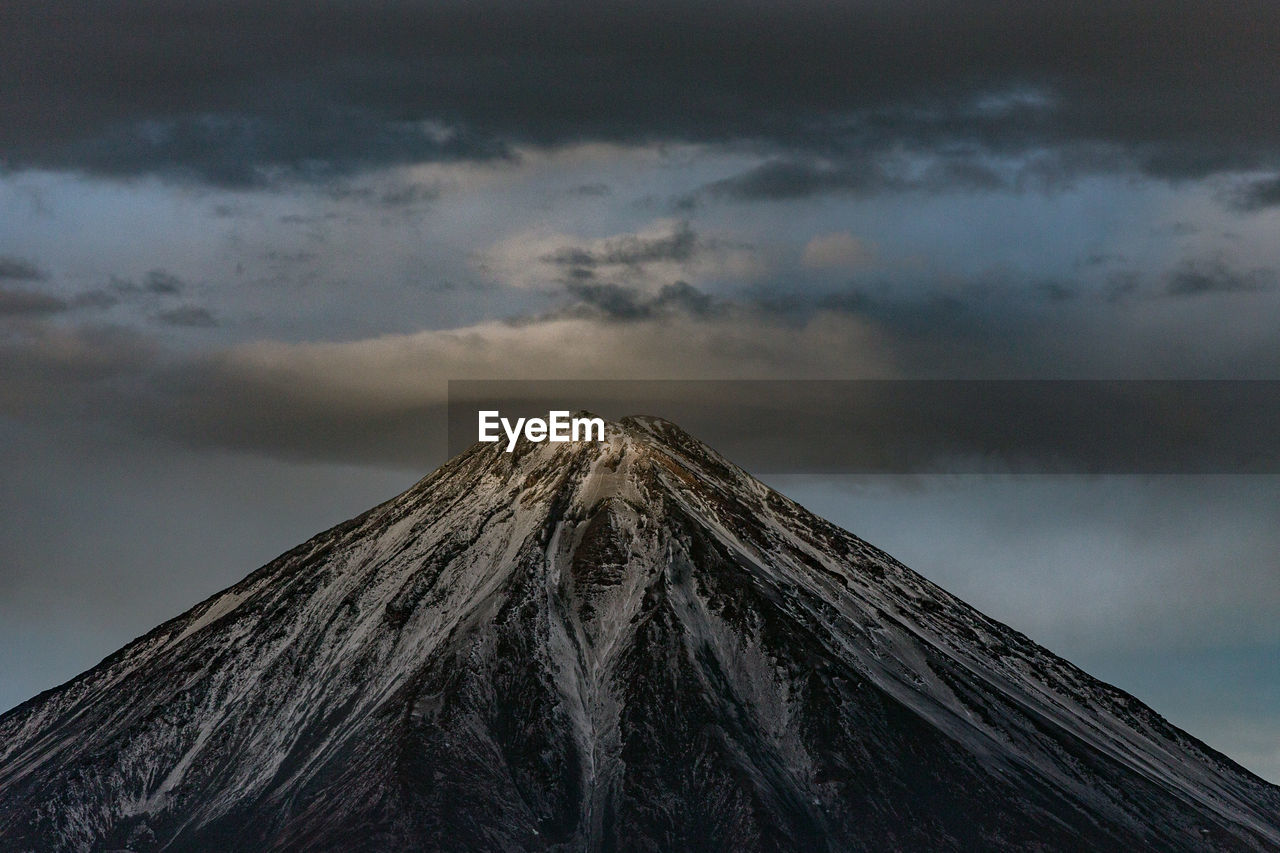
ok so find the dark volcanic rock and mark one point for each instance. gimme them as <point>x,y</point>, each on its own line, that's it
<point>628,646</point>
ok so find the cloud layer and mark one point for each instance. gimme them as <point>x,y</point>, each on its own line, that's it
<point>244,91</point>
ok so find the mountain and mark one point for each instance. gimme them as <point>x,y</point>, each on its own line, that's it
<point>620,646</point>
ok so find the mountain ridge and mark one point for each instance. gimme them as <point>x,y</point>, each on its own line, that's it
<point>626,645</point>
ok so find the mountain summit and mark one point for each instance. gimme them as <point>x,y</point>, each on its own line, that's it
<point>622,645</point>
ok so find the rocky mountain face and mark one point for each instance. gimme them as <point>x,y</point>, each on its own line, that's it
<point>631,646</point>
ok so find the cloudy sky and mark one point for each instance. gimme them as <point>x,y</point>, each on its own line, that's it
<point>244,245</point>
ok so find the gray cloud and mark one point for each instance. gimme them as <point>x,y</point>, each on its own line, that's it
<point>634,250</point>
<point>592,190</point>
<point>630,250</point>
<point>685,297</point>
<point>1121,286</point>
<point>661,254</point>
<point>156,287</point>
<point>407,195</point>
<point>682,313</point>
<point>611,300</point>
<point>381,400</point>
<point>236,93</point>
<point>616,302</point>
<point>1001,324</point>
<point>856,174</point>
<point>782,180</point>
<point>19,269</point>
<point>26,302</point>
<point>404,195</point>
<point>1198,277</point>
<point>98,299</point>
<point>156,282</point>
<point>162,282</point>
<point>1258,195</point>
<point>1056,291</point>
<point>83,372</point>
<point>189,316</point>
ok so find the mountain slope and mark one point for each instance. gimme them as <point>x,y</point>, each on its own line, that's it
<point>622,646</point>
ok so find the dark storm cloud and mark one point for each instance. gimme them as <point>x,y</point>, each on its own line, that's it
<point>407,195</point>
<point>1258,195</point>
<point>779,180</point>
<point>617,302</point>
<point>157,286</point>
<point>156,282</point>
<point>98,299</point>
<point>611,300</point>
<point>162,282</point>
<point>627,275</point>
<point>1120,286</point>
<point>1056,291</point>
<point>782,180</point>
<point>26,302</point>
<point>245,91</point>
<point>1001,324</point>
<point>189,316</point>
<point>19,269</point>
<point>1195,278</point>
<point>629,250</point>
<point>685,297</point>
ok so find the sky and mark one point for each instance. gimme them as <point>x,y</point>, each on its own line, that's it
<point>245,245</point>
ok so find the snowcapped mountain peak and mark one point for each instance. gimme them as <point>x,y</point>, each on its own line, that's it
<point>625,644</point>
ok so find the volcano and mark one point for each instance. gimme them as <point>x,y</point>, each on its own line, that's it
<point>628,645</point>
